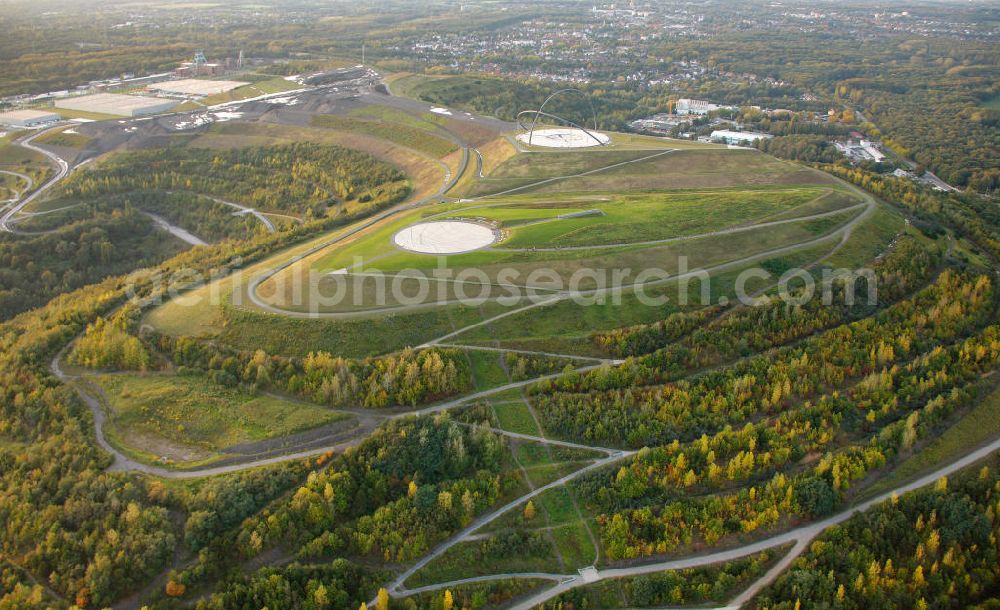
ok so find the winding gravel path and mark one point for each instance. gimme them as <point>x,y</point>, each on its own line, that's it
<point>242,209</point>
<point>799,537</point>
<point>486,348</point>
<point>181,234</point>
<point>397,588</point>
<point>123,463</point>
<point>63,169</point>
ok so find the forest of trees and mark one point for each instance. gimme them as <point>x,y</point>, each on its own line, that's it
<point>969,215</point>
<point>338,584</point>
<point>614,105</point>
<point>631,405</point>
<point>933,548</point>
<point>805,148</point>
<point>303,178</point>
<point>107,344</point>
<point>35,268</point>
<point>885,382</point>
<point>92,536</point>
<point>404,489</point>
<point>407,378</point>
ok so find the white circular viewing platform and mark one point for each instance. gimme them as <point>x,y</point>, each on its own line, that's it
<point>445,237</point>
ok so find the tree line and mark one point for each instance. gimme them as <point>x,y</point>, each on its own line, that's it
<point>631,405</point>
<point>408,378</point>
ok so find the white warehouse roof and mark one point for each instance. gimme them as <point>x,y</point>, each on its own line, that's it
<point>27,118</point>
<point>738,136</point>
<point>116,104</point>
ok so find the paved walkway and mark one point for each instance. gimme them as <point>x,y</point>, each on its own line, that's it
<point>799,537</point>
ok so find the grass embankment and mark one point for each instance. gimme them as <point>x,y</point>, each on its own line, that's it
<point>188,418</point>
<point>67,138</point>
<point>632,218</point>
<point>409,136</point>
<point>514,416</point>
<point>688,169</point>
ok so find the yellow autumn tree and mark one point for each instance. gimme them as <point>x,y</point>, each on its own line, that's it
<point>175,589</point>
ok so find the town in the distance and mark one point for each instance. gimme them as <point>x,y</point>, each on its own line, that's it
<point>499,304</point>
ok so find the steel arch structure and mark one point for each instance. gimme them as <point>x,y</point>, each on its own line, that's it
<point>536,114</point>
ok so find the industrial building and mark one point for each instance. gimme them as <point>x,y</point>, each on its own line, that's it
<point>860,150</point>
<point>658,123</point>
<point>195,87</point>
<point>28,118</point>
<point>200,66</point>
<point>700,107</point>
<point>738,137</point>
<point>118,105</point>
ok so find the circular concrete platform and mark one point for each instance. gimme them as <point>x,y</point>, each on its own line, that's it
<point>445,237</point>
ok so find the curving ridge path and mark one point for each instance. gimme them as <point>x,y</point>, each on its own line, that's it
<point>844,231</point>
<point>63,169</point>
<point>124,463</point>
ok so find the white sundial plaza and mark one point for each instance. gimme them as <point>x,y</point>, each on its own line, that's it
<point>563,138</point>
<point>445,237</point>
